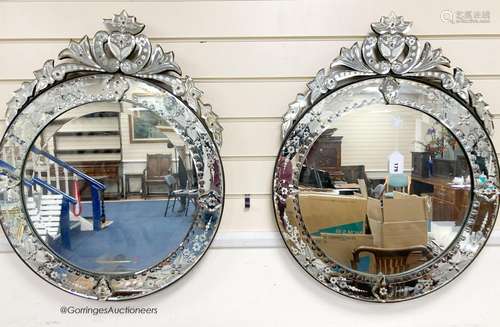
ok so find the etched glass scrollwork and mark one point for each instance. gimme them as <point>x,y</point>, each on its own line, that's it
<point>386,184</point>
<point>112,114</point>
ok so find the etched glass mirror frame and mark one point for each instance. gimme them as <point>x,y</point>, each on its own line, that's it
<point>389,67</point>
<point>101,69</point>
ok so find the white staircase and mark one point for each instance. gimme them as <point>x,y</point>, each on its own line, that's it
<point>45,213</point>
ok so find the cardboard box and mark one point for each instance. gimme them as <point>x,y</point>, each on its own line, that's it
<point>428,208</point>
<point>399,234</point>
<point>398,222</point>
<point>339,247</point>
<point>402,207</point>
<point>323,212</point>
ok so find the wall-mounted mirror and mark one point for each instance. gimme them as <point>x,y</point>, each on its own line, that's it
<point>386,184</point>
<point>111,181</point>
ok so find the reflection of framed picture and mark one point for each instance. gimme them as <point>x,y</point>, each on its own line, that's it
<point>147,127</point>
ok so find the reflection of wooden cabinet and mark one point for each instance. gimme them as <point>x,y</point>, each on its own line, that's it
<point>441,167</point>
<point>448,203</point>
<point>325,154</point>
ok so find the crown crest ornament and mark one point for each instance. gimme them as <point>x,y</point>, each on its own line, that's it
<point>124,23</point>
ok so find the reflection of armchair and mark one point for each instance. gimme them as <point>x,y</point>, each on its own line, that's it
<point>157,167</point>
<point>391,261</point>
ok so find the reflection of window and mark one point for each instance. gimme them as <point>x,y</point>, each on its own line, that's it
<point>146,126</point>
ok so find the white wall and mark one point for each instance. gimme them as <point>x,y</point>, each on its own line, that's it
<point>370,136</point>
<point>256,287</point>
<point>251,58</point>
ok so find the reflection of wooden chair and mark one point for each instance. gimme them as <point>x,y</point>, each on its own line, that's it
<point>157,167</point>
<point>391,261</point>
<point>171,182</point>
<point>398,182</point>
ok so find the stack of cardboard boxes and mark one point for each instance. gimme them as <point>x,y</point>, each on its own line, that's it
<point>340,224</point>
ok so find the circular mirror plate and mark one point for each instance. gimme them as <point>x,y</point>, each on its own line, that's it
<point>112,187</point>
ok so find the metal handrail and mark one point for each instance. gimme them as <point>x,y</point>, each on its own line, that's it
<point>7,165</point>
<point>96,188</point>
<point>52,189</point>
<point>38,181</point>
<point>82,175</point>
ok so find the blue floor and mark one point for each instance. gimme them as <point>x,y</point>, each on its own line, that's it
<point>139,237</point>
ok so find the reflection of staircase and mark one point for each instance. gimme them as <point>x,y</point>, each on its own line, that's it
<point>47,188</point>
<point>45,213</point>
<point>60,175</point>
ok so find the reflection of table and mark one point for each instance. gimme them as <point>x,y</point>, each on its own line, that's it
<point>345,191</point>
<point>448,202</point>
<point>442,233</point>
<point>348,189</point>
<point>352,186</point>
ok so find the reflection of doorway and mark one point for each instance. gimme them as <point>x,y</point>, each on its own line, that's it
<point>90,143</point>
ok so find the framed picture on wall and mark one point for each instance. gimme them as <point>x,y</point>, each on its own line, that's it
<point>147,127</point>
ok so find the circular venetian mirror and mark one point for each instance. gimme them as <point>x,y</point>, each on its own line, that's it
<point>111,180</point>
<point>386,184</point>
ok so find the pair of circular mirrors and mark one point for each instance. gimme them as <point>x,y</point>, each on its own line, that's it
<point>385,187</point>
